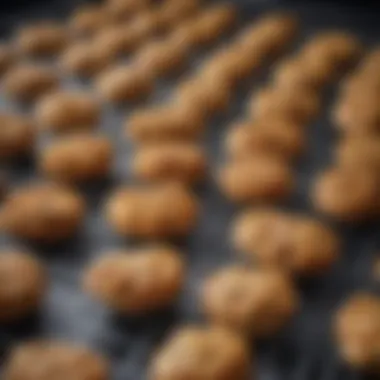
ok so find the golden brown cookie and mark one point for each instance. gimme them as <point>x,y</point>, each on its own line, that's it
<point>182,162</point>
<point>138,281</point>
<point>23,284</point>
<point>184,355</point>
<point>273,136</point>
<point>357,329</point>
<point>256,179</point>
<point>43,212</point>
<point>339,49</point>
<point>88,20</point>
<point>68,111</point>
<point>230,65</point>
<point>85,59</point>
<point>272,33</point>
<point>295,243</point>
<point>348,193</point>
<point>177,12</point>
<point>41,40</point>
<point>161,211</point>
<point>124,83</point>
<point>357,114</point>
<point>161,58</point>
<point>206,94</point>
<point>360,151</point>
<point>301,73</point>
<point>44,360</point>
<point>7,58</point>
<point>293,103</point>
<point>26,82</point>
<point>122,10</point>
<point>171,123</point>
<point>77,158</point>
<point>17,136</point>
<point>213,23</point>
<point>257,302</point>
<point>115,41</point>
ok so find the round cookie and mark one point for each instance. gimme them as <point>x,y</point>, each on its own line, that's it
<point>255,302</point>
<point>43,212</point>
<point>137,281</point>
<point>182,162</point>
<point>84,59</point>
<point>230,355</point>
<point>17,136</point>
<point>270,136</point>
<point>68,111</point>
<point>77,158</point>
<point>154,212</point>
<point>44,360</point>
<point>161,58</point>
<point>88,20</point>
<point>256,179</point>
<point>356,329</point>
<point>26,82</point>
<point>166,123</point>
<point>123,83</point>
<point>330,195</point>
<point>295,243</point>
<point>7,58</point>
<point>42,40</point>
<point>295,104</point>
<point>23,284</point>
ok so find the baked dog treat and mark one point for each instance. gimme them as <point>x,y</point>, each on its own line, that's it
<point>256,179</point>
<point>43,212</point>
<point>230,353</point>
<point>257,302</point>
<point>303,73</point>
<point>88,20</point>
<point>330,193</point>
<point>77,158</point>
<point>161,58</point>
<point>3,187</point>
<point>356,325</point>
<point>291,103</point>
<point>68,111</point>
<point>41,40</point>
<point>357,114</point>
<point>42,360</point>
<point>166,123</point>
<point>182,162</point>
<point>136,282</point>
<point>17,136</point>
<point>213,23</point>
<point>275,136</point>
<point>26,82</point>
<point>295,243</point>
<point>272,33</point>
<point>23,284</point>
<point>177,12</point>
<point>115,41</point>
<point>147,25</point>
<point>85,59</point>
<point>359,150</point>
<point>229,66</point>
<point>161,211</point>
<point>7,58</point>
<point>339,49</point>
<point>122,10</point>
<point>206,94</point>
<point>125,83</point>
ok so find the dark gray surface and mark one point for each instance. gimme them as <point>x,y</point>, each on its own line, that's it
<point>304,350</point>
